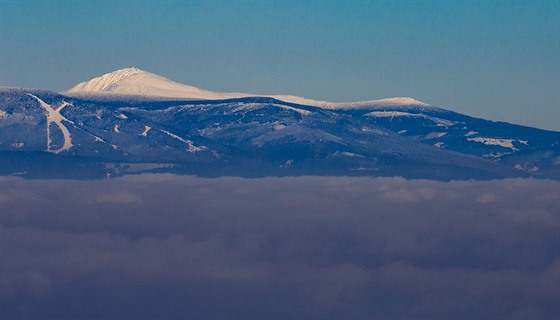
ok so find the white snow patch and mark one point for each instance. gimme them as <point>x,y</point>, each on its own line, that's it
<point>470,133</point>
<point>505,143</point>
<point>252,106</point>
<point>18,145</point>
<point>146,129</point>
<point>287,164</point>
<point>435,135</point>
<point>3,114</point>
<point>122,116</point>
<point>348,154</point>
<point>54,116</point>
<point>402,131</point>
<point>189,143</point>
<point>116,129</point>
<point>115,147</point>
<point>394,102</point>
<point>387,102</point>
<point>439,144</point>
<point>391,114</point>
<point>527,167</point>
<point>98,139</point>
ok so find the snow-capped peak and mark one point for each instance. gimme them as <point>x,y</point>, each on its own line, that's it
<point>104,82</point>
<point>133,81</point>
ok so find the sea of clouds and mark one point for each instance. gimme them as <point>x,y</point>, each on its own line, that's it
<point>166,246</point>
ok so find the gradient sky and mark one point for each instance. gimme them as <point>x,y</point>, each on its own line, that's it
<point>494,59</point>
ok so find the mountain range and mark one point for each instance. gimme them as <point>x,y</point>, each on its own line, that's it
<point>132,121</point>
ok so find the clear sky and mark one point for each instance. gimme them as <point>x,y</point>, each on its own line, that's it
<point>493,59</point>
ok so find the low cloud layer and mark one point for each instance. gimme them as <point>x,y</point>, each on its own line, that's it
<point>163,246</point>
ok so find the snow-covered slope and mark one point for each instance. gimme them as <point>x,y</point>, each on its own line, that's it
<point>133,81</point>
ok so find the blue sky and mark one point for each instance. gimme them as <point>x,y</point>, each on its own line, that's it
<point>494,59</point>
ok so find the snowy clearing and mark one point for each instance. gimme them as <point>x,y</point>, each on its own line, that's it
<point>505,143</point>
<point>189,143</point>
<point>54,116</point>
<point>146,129</point>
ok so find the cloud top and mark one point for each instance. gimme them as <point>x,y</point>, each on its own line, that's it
<point>176,246</point>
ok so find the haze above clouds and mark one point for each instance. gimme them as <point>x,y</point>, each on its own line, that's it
<point>166,246</point>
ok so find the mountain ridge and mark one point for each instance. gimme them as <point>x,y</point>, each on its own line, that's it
<point>134,81</point>
<point>43,133</point>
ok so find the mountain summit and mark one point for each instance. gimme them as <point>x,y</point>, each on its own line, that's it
<point>133,81</point>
